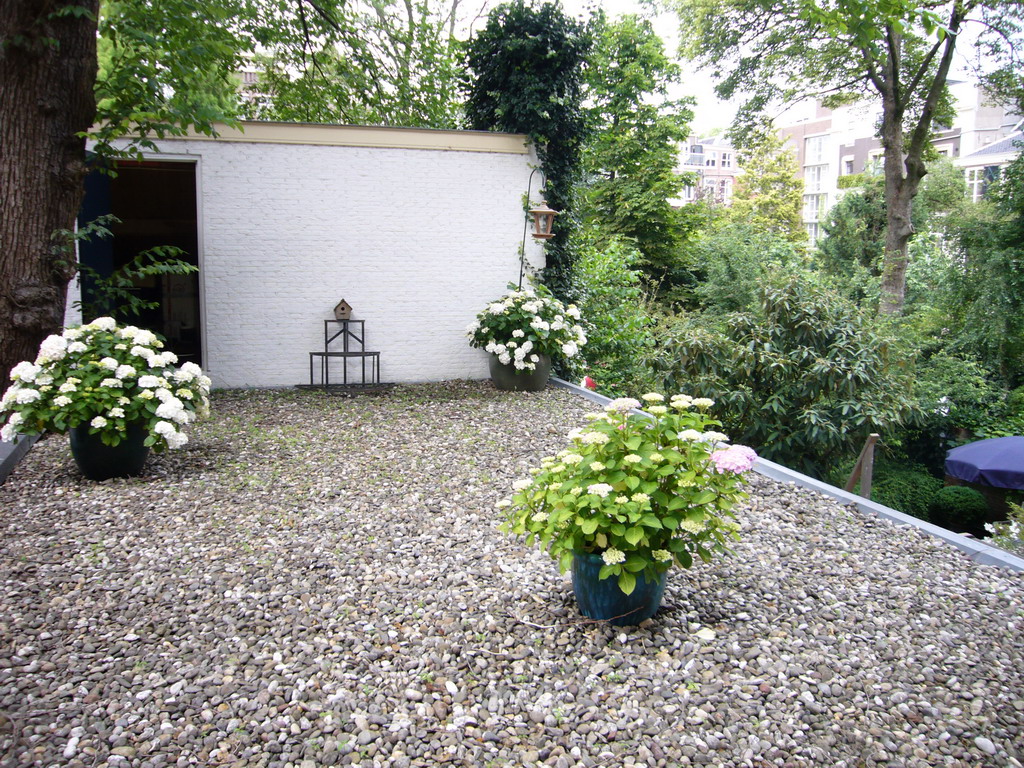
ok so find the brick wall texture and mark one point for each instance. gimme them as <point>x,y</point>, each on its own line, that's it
<point>417,241</point>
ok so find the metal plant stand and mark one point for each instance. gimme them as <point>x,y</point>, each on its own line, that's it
<point>353,335</point>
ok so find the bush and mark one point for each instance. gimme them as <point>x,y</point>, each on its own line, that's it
<point>961,509</point>
<point>910,490</point>
<point>1009,534</point>
<point>614,304</point>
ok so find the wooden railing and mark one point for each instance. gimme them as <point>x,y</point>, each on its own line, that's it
<point>864,468</point>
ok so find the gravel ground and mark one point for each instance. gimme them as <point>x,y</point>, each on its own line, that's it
<point>319,581</point>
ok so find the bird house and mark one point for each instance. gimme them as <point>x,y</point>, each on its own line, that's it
<point>342,310</point>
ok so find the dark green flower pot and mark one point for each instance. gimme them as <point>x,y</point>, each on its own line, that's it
<point>99,461</point>
<point>604,600</point>
<point>507,378</point>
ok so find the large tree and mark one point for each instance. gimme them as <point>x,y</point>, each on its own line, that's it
<point>898,51</point>
<point>158,55</point>
<point>632,156</point>
<point>769,194</point>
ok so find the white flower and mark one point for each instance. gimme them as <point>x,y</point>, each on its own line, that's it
<point>703,402</point>
<point>521,485</point>
<point>8,433</point>
<point>540,325</point>
<point>177,440</point>
<point>621,499</point>
<point>531,307</point>
<point>185,393</point>
<point>10,397</point>
<point>652,397</point>
<point>612,556</point>
<point>116,413</point>
<point>691,435</point>
<point>527,345</point>
<point>640,498</point>
<point>191,370</point>
<point>109,363</point>
<point>25,371</point>
<point>600,489</point>
<point>622,404</point>
<point>142,352</point>
<point>505,358</point>
<point>103,324</point>
<point>123,400</point>
<point>150,382</point>
<point>113,383</point>
<point>53,348</point>
<point>145,339</point>
<point>128,332</point>
<point>125,371</point>
<point>535,358</point>
<point>99,422</point>
<point>496,308</point>
<point>16,419</point>
<point>169,408</point>
<point>163,395</point>
<point>569,349</point>
<point>77,346</point>
<point>472,328</point>
<point>657,410</point>
<point>44,379</point>
<point>632,458</point>
<point>693,526</point>
<point>572,458</point>
<point>62,401</point>
<point>594,438</point>
<point>518,334</point>
<point>164,428</point>
<point>146,394</point>
<point>26,396</point>
<point>716,437</point>
<point>72,333</point>
<point>572,312</point>
<point>503,504</point>
<point>661,555</point>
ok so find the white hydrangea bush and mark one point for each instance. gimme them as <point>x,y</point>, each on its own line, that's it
<point>526,323</point>
<point>107,377</point>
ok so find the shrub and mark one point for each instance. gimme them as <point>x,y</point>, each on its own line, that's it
<point>960,509</point>
<point>910,490</point>
<point>1009,534</point>
<point>614,303</point>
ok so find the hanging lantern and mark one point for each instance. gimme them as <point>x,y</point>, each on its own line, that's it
<point>543,221</point>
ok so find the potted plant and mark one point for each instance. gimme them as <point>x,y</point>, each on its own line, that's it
<point>522,331</point>
<point>632,495</point>
<point>113,389</point>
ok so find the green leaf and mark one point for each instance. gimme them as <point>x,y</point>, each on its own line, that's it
<point>627,582</point>
<point>634,535</point>
<point>589,525</point>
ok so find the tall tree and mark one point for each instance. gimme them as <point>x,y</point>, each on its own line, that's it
<point>633,153</point>
<point>391,63</point>
<point>160,51</point>
<point>525,75</point>
<point>899,51</point>
<point>769,194</point>
<point>47,70</point>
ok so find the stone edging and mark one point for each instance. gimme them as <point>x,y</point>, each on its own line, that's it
<point>977,550</point>
<point>12,453</point>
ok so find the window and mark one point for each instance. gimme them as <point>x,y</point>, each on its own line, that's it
<point>814,177</point>
<point>847,167</point>
<point>813,232</point>
<point>814,207</point>
<point>978,181</point>
<point>814,150</point>
<point>712,158</point>
<point>727,160</point>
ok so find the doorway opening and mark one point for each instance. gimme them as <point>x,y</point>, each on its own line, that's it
<point>155,203</point>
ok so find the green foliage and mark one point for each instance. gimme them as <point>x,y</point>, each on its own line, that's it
<point>114,294</point>
<point>632,156</point>
<point>805,379</point>
<point>959,509</point>
<point>386,63</point>
<point>614,303</point>
<point>908,489</point>
<point>645,494</point>
<point>733,259</point>
<point>769,194</point>
<point>1009,534</point>
<point>524,74</point>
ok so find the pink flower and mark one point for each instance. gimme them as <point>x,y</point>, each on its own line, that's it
<point>737,459</point>
<point>588,383</point>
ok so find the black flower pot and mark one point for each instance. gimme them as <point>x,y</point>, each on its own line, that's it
<point>508,378</point>
<point>99,461</point>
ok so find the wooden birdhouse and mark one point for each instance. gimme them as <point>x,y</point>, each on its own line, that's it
<point>343,310</point>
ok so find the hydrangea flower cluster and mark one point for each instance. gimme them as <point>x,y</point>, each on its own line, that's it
<point>108,377</point>
<point>643,490</point>
<point>524,324</point>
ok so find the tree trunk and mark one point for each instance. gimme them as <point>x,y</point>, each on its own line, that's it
<point>47,75</point>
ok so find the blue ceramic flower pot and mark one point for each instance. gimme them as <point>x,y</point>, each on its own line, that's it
<point>99,461</point>
<point>602,599</point>
<point>508,378</point>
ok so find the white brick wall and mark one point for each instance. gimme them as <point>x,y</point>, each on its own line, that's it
<point>416,240</point>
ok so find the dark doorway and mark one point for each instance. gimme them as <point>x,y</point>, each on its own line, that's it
<point>156,205</point>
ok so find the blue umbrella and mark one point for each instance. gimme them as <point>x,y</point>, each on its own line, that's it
<point>997,462</point>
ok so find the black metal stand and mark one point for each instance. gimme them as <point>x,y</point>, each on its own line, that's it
<point>349,339</point>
